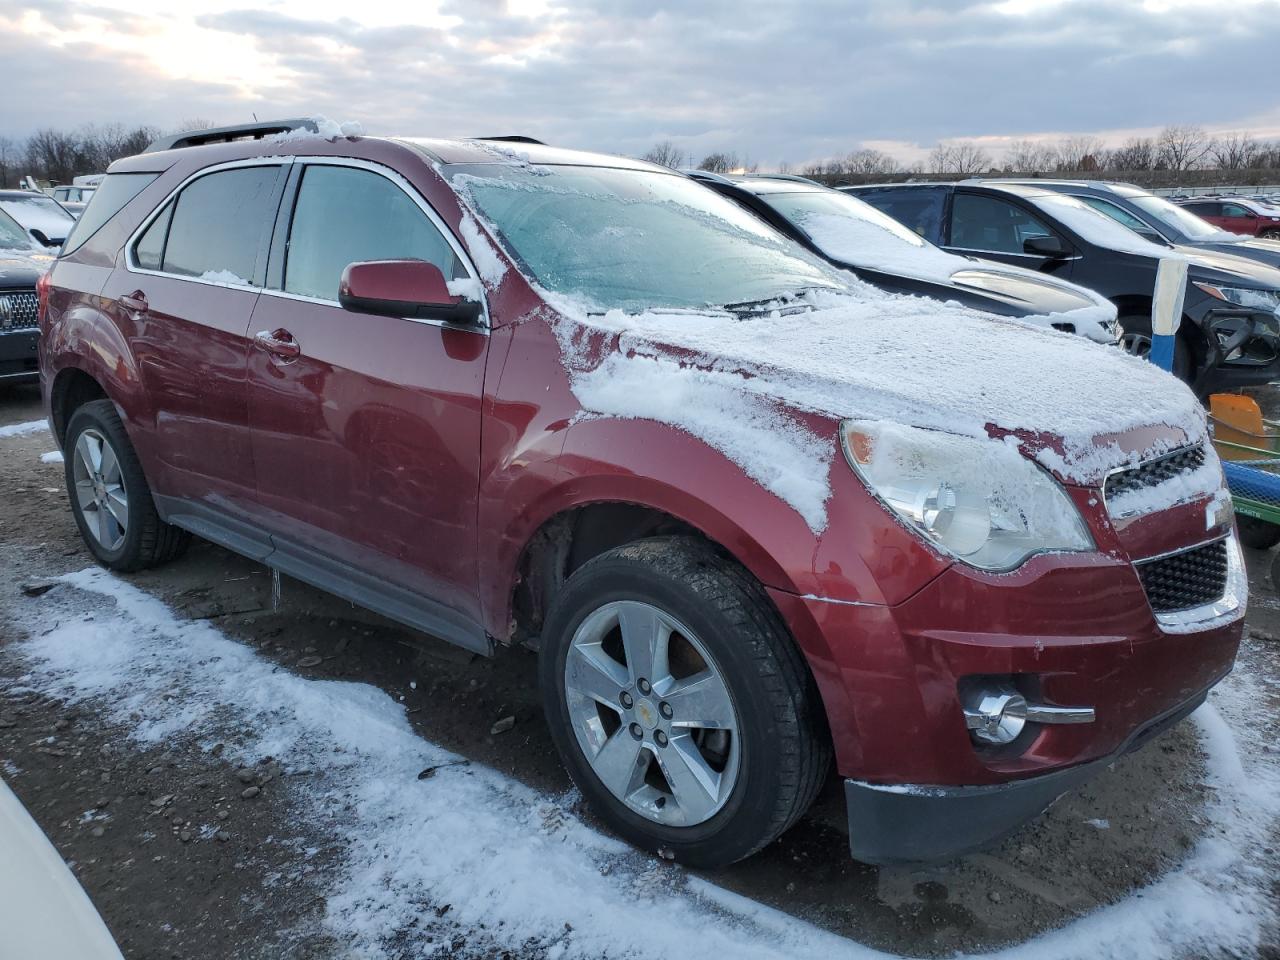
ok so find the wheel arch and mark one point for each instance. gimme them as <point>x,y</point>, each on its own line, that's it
<point>72,388</point>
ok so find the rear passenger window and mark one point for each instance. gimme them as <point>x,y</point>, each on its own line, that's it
<point>149,251</point>
<point>918,210</point>
<point>219,225</point>
<point>987,223</point>
<point>345,215</point>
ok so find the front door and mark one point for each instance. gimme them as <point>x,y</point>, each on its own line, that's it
<point>992,228</point>
<point>1238,219</point>
<point>366,429</point>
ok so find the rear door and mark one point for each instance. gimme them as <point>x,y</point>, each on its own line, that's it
<point>996,228</point>
<point>192,275</point>
<point>366,429</point>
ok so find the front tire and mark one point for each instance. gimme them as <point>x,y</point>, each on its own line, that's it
<point>110,497</point>
<point>680,704</point>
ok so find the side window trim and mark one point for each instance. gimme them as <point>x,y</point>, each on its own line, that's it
<point>260,264</point>
<point>284,220</point>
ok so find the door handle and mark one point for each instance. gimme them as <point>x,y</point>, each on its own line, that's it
<point>135,302</point>
<point>278,343</point>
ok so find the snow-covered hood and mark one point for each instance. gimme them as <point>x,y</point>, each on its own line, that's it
<point>743,384</point>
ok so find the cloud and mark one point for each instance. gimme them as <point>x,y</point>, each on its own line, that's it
<point>771,81</point>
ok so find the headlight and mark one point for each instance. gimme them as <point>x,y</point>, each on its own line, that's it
<point>1242,296</point>
<point>979,500</point>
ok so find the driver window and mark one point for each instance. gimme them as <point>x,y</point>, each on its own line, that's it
<point>345,215</point>
<point>1234,210</point>
<point>991,224</point>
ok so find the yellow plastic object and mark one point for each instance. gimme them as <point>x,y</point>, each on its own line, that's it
<point>1237,419</point>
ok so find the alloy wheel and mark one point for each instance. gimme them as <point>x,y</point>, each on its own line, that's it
<point>652,713</point>
<point>99,489</point>
<point>1138,344</point>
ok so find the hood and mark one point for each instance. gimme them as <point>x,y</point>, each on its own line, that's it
<point>1251,248</point>
<point>769,390</point>
<point>1230,268</point>
<point>22,268</point>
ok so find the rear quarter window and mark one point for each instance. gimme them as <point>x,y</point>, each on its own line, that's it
<point>920,211</point>
<point>108,200</point>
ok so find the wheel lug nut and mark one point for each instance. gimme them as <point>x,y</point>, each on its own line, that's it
<point>626,699</point>
<point>643,684</point>
<point>661,738</point>
<point>665,709</point>
<point>637,731</point>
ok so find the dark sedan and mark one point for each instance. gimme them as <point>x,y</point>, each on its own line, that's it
<point>1230,334</point>
<point>875,247</point>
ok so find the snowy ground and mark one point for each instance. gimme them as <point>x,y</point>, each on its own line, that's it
<point>230,780</point>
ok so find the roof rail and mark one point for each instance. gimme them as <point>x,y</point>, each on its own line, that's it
<point>241,131</point>
<point>704,175</point>
<point>512,138</point>
<point>793,177</point>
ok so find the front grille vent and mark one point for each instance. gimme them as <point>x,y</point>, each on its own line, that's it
<point>1154,472</point>
<point>18,310</point>
<point>1184,580</point>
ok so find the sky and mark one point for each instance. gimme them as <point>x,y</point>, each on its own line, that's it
<point>774,81</point>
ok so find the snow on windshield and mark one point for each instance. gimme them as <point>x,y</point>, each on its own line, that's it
<point>854,232</point>
<point>635,240</point>
<point>870,356</point>
<point>1183,220</point>
<point>1098,228</point>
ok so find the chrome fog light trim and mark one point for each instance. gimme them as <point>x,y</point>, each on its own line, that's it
<point>999,715</point>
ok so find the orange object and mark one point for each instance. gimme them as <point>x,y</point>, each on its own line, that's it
<point>1237,419</point>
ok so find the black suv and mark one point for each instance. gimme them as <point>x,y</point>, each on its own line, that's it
<point>22,262</point>
<point>1230,335</point>
<point>857,237</point>
<point>1161,221</point>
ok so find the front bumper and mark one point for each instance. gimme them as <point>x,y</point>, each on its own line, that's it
<point>18,362</point>
<point>909,823</point>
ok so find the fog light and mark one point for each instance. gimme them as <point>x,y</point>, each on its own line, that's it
<point>996,716</point>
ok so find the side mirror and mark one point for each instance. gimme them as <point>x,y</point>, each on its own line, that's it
<point>1050,247</point>
<point>404,288</point>
<point>42,238</point>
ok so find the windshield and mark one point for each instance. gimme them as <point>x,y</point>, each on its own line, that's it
<point>1172,215</point>
<point>13,237</point>
<point>633,240</point>
<point>1096,227</point>
<point>854,232</point>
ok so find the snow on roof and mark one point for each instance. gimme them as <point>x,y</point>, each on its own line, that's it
<point>1098,228</point>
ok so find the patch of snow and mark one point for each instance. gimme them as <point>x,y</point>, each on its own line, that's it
<point>22,429</point>
<point>223,276</point>
<point>517,861</point>
<point>1206,480</point>
<point>1098,228</point>
<point>326,128</point>
<point>466,287</point>
<point>53,456</point>
<point>875,245</point>
<point>483,254</point>
<point>1099,824</point>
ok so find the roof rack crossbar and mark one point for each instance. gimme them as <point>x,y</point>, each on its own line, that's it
<point>241,131</point>
<point>511,138</point>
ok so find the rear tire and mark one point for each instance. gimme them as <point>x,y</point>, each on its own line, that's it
<point>110,497</point>
<point>755,738</point>
<point>1135,336</point>
<point>1257,534</point>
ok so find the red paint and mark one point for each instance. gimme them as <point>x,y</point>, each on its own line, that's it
<point>431,455</point>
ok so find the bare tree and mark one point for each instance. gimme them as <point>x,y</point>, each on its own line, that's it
<point>719,162</point>
<point>1235,151</point>
<point>9,156</point>
<point>962,157</point>
<point>1138,153</point>
<point>1029,156</point>
<point>1182,147</point>
<point>1078,153</point>
<point>869,162</point>
<point>667,154</point>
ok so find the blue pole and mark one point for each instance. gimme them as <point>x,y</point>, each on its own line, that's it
<point>1162,351</point>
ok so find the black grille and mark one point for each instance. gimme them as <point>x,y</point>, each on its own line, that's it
<point>1185,580</point>
<point>1155,471</point>
<point>18,310</point>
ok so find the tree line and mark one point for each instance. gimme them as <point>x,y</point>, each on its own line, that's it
<point>1176,148</point>
<point>58,156</point>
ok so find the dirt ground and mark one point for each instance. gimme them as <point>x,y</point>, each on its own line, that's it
<point>127,819</point>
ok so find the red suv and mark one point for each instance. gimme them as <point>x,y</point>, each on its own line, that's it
<point>1239,215</point>
<point>754,514</point>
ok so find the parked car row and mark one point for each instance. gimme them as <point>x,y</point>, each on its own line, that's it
<point>757,514</point>
<point>1251,217</point>
<point>1111,239</point>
